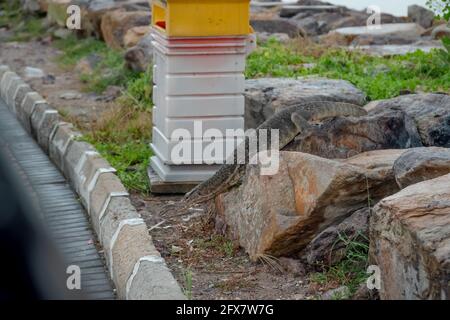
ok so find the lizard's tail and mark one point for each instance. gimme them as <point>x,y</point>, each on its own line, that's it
<point>328,109</point>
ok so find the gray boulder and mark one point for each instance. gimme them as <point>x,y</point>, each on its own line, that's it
<point>440,32</point>
<point>322,22</point>
<point>420,164</point>
<point>420,15</point>
<point>410,242</point>
<point>430,112</point>
<point>139,57</point>
<point>277,26</point>
<point>345,137</point>
<point>389,33</point>
<point>265,95</point>
<point>329,246</point>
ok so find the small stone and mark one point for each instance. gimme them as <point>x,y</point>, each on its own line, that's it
<point>31,72</point>
<point>340,293</point>
<point>175,249</point>
<point>71,95</point>
<point>49,79</point>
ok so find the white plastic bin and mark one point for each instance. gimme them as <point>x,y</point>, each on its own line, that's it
<point>197,82</point>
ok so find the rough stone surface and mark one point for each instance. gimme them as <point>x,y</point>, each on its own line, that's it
<point>139,57</point>
<point>430,112</point>
<point>88,173</point>
<point>282,213</point>
<point>339,293</point>
<point>115,24</point>
<point>344,137</point>
<point>327,248</point>
<point>60,141</point>
<point>10,89</point>
<point>292,10</point>
<point>277,26</point>
<point>322,22</point>
<point>29,104</point>
<point>420,15</point>
<point>420,164</point>
<point>106,184</point>
<point>75,153</point>
<point>20,96</point>
<point>410,241</point>
<point>3,70</point>
<point>440,32</point>
<point>395,33</point>
<point>264,96</point>
<point>154,281</point>
<point>118,209</point>
<point>5,81</point>
<point>43,120</point>
<point>399,49</point>
<point>132,243</point>
<point>134,35</point>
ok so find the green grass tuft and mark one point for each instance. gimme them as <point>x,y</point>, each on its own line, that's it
<point>378,77</point>
<point>351,270</point>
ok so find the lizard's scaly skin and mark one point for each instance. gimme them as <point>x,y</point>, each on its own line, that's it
<point>229,174</point>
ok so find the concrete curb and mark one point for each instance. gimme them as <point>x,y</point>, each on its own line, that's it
<point>136,267</point>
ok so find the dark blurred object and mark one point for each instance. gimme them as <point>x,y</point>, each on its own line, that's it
<point>30,267</point>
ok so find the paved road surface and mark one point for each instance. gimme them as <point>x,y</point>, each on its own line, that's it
<point>59,207</point>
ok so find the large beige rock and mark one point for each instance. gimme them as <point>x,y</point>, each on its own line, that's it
<point>116,23</point>
<point>410,241</point>
<point>281,214</point>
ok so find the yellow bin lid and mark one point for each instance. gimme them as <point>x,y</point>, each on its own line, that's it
<point>201,18</point>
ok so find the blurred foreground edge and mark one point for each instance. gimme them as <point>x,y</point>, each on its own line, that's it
<point>31,266</point>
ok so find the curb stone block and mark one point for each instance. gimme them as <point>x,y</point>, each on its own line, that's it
<point>152,272</point>
<point>36,116</point>
<point>107,184</point>
<point>93,167</point>
<point>117,209</point>
<point>20,96</point>
<point>136,267</point>
<point>73,161</point>
<point>3,70</point>
<point>43,120</point>
<point>14,86</point>
<point>25,111</point>
<point>5,82</point>
<point>130,242</point>
<point>10,89</point>
<point>63,135</point>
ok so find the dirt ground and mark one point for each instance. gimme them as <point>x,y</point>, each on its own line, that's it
<point>207,265</point>
<point>58,84</point>
<point>218,268</point>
